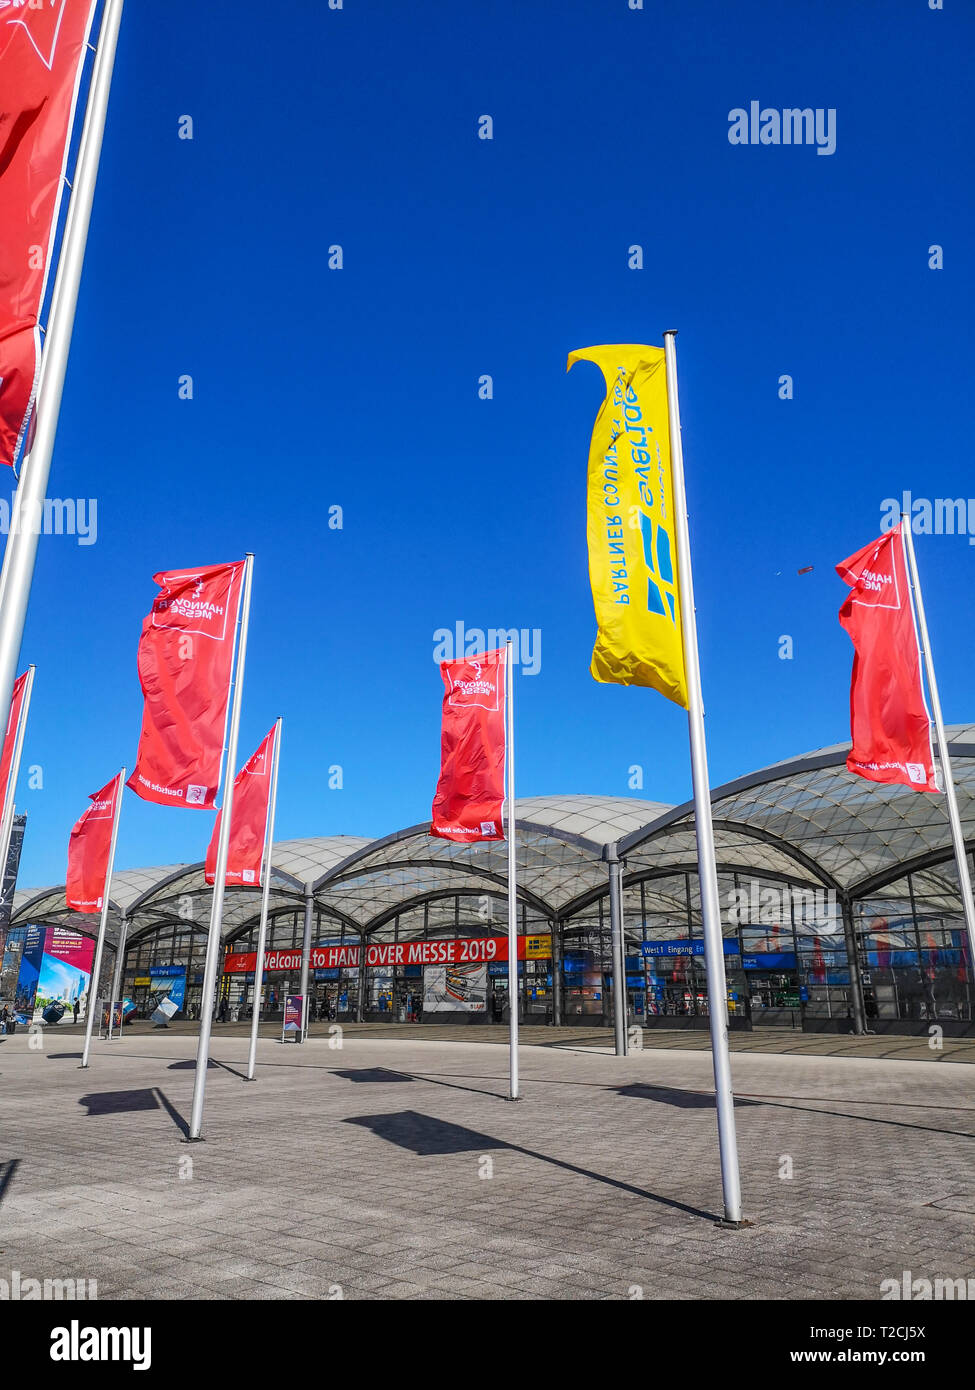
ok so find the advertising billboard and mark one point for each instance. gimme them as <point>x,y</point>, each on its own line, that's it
<point>455,988</point>
<point>55,969</point>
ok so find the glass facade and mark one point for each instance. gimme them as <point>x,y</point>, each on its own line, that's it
<point>839,901</point>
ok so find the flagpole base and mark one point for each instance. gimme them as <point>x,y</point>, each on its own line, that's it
<point>725,1225</point>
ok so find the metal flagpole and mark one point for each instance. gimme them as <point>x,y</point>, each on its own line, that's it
<point>306,958</point>
<point>220,873</point>
<point>954,819</point>
<point>509,712</point>
<point>265,895</point>
<point>123,931</point>
<point>96,969</point>
<point>619,951</point>
<point>707,872</point>
<point>7,825</point>
<point>22,547</point>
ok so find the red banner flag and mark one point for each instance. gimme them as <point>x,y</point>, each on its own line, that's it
<point>186,657</point>
<point>248,820</point>
<point>42,51</point>
<point>470,793</point>
<point>89,848</point>
<point>10,737</point>
<point>891,727</point>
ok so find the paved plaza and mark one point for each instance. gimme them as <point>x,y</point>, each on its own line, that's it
<point>394,1168</point>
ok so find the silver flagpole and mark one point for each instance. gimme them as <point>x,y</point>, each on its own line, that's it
<point>509,711</point>
<point>220,874</point>
<point>707,872</point>
<point>7,825</point>
<point>96,969</point>
<point>954,819</point>
<point>262,933</point>
<point>22,547</point>
<point>123,931</point>
<point>619,950</point>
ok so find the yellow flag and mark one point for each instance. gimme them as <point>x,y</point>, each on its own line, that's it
<point>632,538</point>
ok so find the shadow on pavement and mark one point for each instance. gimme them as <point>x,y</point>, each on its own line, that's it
<point>125,1102</point>
<point>373,1074</point>
<point>173,1113</point>
<point>425,1136</point>
<point>119,1102</point>
<point>673,1095</point>
<point>7,1171</point>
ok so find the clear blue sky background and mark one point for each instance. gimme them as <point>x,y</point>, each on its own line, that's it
<point>462,257</point>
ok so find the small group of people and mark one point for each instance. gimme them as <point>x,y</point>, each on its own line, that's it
<point>320,1011</point>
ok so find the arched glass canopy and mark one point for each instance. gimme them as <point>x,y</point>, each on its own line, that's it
<point>805,820</point>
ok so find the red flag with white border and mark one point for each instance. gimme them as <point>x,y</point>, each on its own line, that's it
<point>891,727</point>
<point>470,794</point>
<point>186,658</point>
<point>42,50</point>
<point>248,821</point>
<point>10,734</point>
<point>88,850</point>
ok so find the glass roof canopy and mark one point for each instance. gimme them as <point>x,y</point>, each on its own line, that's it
<point>806,820</point>
<point>810,818</point>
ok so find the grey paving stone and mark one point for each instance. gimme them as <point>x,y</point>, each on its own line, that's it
<point>289,1196</point>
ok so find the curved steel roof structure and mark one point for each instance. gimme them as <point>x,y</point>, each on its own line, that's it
<point>806,820</point>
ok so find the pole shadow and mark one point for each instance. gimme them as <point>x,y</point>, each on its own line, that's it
<point>7,1171</point>
<point>428,1137</point>
<point>375,1075</point>
<point>675,1095</point>
<point>128,1102</point>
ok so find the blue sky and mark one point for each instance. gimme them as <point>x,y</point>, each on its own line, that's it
<point>464,257</point>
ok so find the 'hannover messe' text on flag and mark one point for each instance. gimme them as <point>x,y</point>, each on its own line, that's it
<point>470,794</point>
<point>248,820</point>
<point>88,849</point>
<point>632,536</point>
<point>891,727</point>
<point>186,656</point>
<point>42,53</point>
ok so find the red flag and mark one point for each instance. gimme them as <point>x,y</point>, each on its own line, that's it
<point>42,51</point>
<point>89,848</point>
<point>10,737</point>
<point>470,793</point>
<point>186,656</point>
<point>248,820</point>
<point>889,718</point>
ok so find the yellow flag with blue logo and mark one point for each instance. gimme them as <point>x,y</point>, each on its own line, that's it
<point>632,536</point>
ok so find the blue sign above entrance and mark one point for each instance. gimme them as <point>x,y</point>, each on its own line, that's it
<point>685,948</point>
